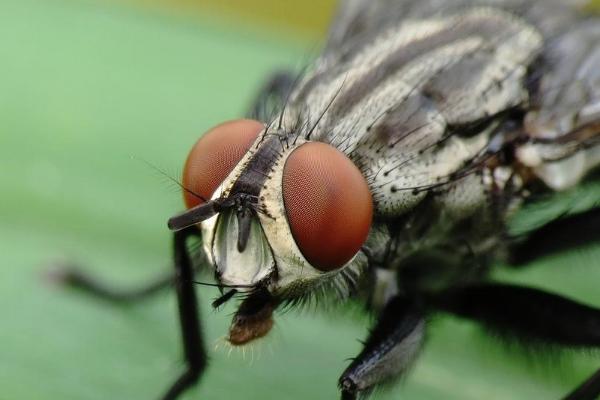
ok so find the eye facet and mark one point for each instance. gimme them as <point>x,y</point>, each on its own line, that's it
<point>328,204</point>
<point>215,155</point>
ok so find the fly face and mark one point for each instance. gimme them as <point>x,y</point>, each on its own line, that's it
<point>278,216</point>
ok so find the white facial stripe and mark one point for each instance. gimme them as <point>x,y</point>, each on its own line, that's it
<point>291,264</point>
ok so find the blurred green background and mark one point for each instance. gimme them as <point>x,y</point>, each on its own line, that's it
<point>88,89</point>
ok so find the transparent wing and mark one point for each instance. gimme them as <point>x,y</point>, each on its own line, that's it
<point>565,116</point>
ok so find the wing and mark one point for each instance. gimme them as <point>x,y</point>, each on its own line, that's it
<point>564,121</point>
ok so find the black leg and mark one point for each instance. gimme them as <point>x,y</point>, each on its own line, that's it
<point>272,95</point>
<point>389,351</point>
<point>561,234</point>
<point>73,276</point>
<point>588,390</point>
<point>531,315</point>
<point>193,345</point>
<point>525,313</point>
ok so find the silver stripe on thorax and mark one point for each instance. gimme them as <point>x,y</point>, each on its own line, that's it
<point>391,103</point>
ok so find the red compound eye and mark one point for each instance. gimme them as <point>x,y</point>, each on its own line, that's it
<point>328,204</point>
<point>215,155</point>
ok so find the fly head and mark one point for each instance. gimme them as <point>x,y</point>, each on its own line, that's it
<point>278,218</point>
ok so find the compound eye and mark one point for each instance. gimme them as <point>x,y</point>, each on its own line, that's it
<point>215,155</point>
<point>328,204</point>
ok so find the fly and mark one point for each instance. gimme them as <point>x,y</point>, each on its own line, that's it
<point>386,172</point>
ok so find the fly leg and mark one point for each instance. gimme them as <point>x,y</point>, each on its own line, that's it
<point>272,96</point>
<point>389,351</point>
<point>588,390</point>
<point>182,278</point>
<point>193,345</point>
<point>74,277</point>
<point>561,234</point>
<point>530,315</point>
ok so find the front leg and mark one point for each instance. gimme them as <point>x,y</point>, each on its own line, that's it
<point>390,350</point>
<point>193,345</point>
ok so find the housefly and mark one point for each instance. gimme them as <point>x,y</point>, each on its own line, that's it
<point>386,171</point>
